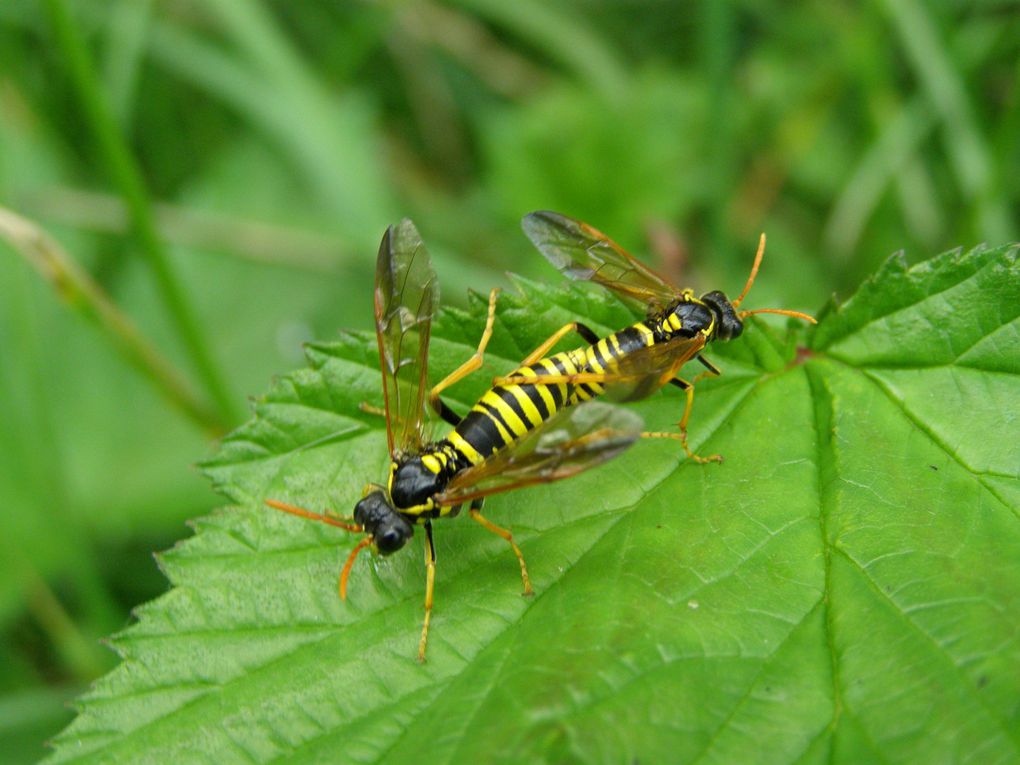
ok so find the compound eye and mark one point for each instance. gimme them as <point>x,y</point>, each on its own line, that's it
<point>389,540</point>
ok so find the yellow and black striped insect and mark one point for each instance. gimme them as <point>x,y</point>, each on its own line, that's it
<point>647,355</point>
<point>516,435</point>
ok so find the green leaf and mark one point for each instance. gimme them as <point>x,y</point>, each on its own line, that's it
<point>844,587</point>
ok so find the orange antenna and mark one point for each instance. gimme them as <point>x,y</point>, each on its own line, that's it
<point>350,564</point>
<point>339,522</point>
<point>781,312</point>
<point>754,270</point>
<point>750,280</point>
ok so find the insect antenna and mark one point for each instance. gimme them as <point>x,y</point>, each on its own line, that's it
<point>339,521</point>
<point>754,271</point>
<point>781,312</point>
<point>350,564</point>
<point>750,280</point>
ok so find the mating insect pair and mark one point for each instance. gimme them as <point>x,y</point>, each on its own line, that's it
<point>537,424</point>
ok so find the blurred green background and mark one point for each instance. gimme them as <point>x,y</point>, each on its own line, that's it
<point>223,170</point>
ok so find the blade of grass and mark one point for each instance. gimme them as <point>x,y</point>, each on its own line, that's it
<point>468,41</point>
<point>562,36</point>
<point>432,101</point>
<point>967,149</point>
<point>918,200</point>
<point>42,533</point>
<point>27,712</point>
<point>127,33</point>
<point>717,56</point>
<point>860,195</point>
<point>86,297</point>
<point>81,655</point>
<point>233,235</point>
<point>329,136</point>
<point>126,175</point>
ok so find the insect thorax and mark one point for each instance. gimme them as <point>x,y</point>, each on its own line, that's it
<point>416,479</point>
<point>711,315</point>
<point>686,317</point>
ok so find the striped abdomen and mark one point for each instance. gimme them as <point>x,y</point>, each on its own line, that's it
<point>507,412</point>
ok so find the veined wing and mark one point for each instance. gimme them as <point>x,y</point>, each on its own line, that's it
<point>572,441</point>
<point>580,251</point>
<point>406,296</point>
<point>642,372</point>
<point>634,376</point>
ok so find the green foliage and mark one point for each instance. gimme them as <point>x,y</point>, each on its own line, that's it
<point>842,588</point>
<point>277,140</point>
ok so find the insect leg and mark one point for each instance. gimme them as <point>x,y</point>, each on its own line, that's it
<point>443,410</point>
<point>446,412</point>
<point>476,515</point>
<point>574,379</point>
<point>688,388</point>
<point>709,366</point>
<point>469,366</point>
<point>430,582</point>
<point>682,384</point>
<point>575,326</point>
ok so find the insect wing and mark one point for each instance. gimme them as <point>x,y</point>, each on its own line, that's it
<point>406,295</point>
<point>582,252</point>
<point>640,373</point>
<point>572,441</point>
<point>634,376</point>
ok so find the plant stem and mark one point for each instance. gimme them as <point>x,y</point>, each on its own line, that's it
<point>83,657</point>
<point>231,235</point>
<point>126,175</point>
<point>87,298</point>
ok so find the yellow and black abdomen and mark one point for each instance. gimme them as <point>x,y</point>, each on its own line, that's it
<point>504,414</point>
<point>604,356</point>
<point>507,412</point>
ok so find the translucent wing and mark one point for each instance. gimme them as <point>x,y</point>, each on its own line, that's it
<point>636,375</point>
<point>583,252</point>
<point>406,295</point>
<point>573,440</point>
<point>640,373</point>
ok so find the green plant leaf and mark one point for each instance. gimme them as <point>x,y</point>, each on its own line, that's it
<point>844,587</point>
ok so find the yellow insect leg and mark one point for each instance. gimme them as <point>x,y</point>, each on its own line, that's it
<point>430,583</point>
<point>543,350</point>
<point>682,435</point>
<point>369,409</point>
<point>505,533</point>
<point>473,363</point>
